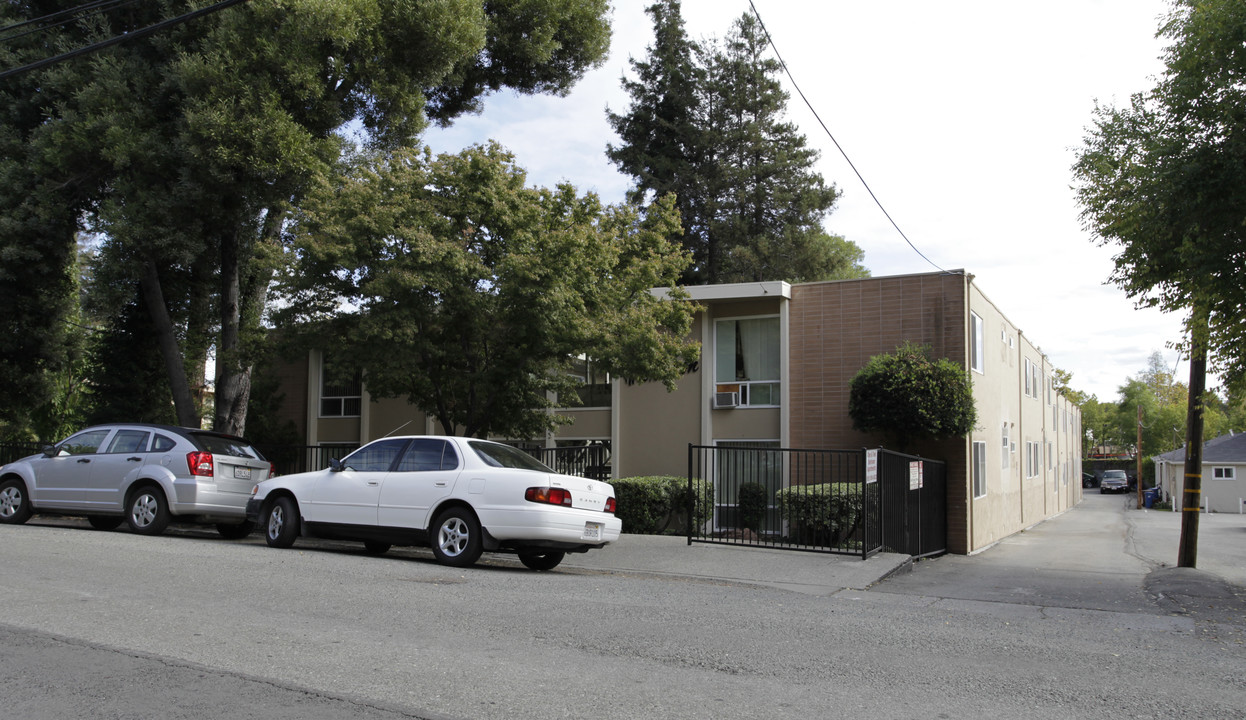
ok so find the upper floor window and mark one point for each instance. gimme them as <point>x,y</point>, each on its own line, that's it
<point>1032,387</point>
<point>975,342</point>
<point>747,360</point>
<point>594,390</point>
<point>341,390</point>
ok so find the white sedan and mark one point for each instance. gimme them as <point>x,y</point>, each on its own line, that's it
<point>460,496</point>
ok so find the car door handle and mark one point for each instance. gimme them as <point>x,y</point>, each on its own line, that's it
<point>135,459</point>
<point>441,484</point>
<point>373,483</point>
<point>84,460</point>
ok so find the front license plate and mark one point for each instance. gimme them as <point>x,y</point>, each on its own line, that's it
<point>592,531</point>
<point>242,473</point>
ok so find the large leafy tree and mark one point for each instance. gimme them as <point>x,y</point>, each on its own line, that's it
<point>909,395</point>
<point>451,284</point>
<point>1163,180</point>
<point>706,123</point>
<point>189,148</point>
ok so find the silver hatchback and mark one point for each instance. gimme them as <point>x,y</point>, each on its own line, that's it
<point>139,474</point>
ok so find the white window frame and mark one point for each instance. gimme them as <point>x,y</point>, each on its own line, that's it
<point>1007,463</point>
<point>976,343</point>
<point>978,457</point>
<point>743,386</point>
<point>343,401</point>
<point>1224,473</point>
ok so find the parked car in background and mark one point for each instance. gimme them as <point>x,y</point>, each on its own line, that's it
<point>459,496</point>
<point>1113,481</point>
<point>143,475</point>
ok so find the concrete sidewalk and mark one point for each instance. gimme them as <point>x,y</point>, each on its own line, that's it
<point>1148,542</point>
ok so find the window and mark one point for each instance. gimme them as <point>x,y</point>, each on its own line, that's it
<point>594,390</point>
<point>427,454</point>
<point>341,390</point>
<point>979,469</point>
<point>746,360</point>
<point>975,342</point>
<point>1032,387</point>
<point>740,462</point>
<point>375,457</point>
<point>1033,459</point>
<point>1223,473</point>
<point>1006,452</point>
<point>129,441</point>
<point>84,443</point>
<point>163,443</point>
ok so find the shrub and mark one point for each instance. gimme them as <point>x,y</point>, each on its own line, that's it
<point>822,514</point>
<point>910,395</point>
<point>655,504</point>
<point>752,500</point>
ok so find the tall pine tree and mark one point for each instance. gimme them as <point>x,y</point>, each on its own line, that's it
<point>706,122</point>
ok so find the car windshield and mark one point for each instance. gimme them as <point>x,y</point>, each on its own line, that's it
<point>499,455</point>
<point>1114,474</point>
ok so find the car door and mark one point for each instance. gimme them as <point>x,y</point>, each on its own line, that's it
<point>62,481</point>
<point>425,474</point>
<point>125,452</point>
<point>350,496</point>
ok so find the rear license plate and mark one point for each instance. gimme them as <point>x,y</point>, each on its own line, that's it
<point>242,473</point>
<point>592,531</point>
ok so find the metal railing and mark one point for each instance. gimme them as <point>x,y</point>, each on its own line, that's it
<point>10,451</point>
<point>587,461</point>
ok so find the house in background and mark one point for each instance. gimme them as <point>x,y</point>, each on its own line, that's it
<point>1224,474</point>
<point>775,367</point>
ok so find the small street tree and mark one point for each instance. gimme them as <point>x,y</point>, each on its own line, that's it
<point>908,395</point>
<point>449,283</point>
<point>1164,181</point>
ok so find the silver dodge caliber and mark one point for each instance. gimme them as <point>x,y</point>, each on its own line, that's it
<point>139,474</point>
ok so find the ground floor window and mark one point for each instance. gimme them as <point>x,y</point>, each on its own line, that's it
<point>746,481</point>
<point>979,469</point>
<point>1223,473</point>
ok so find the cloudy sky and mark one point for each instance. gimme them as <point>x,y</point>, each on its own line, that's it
<point>963,116</point>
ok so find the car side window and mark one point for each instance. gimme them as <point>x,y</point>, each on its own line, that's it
<point>426,454</point>
<point>163,443</point>
<point>129,441</point>
<point>84,443</point>
<point>375,457</point>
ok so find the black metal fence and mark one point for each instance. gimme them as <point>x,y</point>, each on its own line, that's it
<point>587,461</point>
<point>590,461</point>
<point>10,451</point>
<point>290,459</point>
<point>851,502</point>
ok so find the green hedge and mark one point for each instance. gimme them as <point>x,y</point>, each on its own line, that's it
<point>656,504</point>
<point>823,514</point>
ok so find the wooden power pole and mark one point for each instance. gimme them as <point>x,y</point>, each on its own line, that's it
<point>1192,498</point>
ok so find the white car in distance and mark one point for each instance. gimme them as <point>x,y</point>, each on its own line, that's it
<point>460,496</point>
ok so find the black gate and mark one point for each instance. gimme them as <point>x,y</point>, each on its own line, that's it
<point>914,503</point>
<point>851,502</point>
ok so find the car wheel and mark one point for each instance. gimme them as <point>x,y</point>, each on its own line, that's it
<point>281,526</point>
<point>14,506</point>
<point>235,531</point>
<point>105,522</point>
<point>456,537</point>
<point>147,513</point>
<point>542,560</point>
<point>376,547</point>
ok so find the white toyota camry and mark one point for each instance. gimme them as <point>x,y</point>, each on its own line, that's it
<point>460,496</point>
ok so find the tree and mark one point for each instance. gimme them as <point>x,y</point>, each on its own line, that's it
<point>1164,179</point>
<point>189,148</point>
<point>453,285</point>
<point>706,123</point>
<point>909,395</point>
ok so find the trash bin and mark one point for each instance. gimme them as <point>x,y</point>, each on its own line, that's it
<point>1149,497</point>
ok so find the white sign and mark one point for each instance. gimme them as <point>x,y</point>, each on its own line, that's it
<point>871,466</point>
<point>915,475</point>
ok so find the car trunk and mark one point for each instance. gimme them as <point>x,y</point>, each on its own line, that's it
<point>585,494</point>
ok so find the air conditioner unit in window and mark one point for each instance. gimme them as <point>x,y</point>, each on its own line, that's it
<point>726,399</point>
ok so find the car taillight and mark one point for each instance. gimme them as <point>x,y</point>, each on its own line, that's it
<point>551,496</point>
<point>609,505</point>
<point>200,463</point>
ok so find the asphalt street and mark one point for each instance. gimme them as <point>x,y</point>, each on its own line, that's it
<point>1079,617</point>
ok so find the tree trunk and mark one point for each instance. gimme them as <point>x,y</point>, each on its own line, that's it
<point>166,338</point>
<point>233,383</point>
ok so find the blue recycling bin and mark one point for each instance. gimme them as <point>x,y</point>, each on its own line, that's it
<point>1149,497</point>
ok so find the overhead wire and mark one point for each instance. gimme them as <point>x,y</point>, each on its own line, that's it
<point>788,72</point>
<point>132,35</point>
<point>63,17</point>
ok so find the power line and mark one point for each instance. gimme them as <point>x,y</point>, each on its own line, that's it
<point>63,17</point>
<point>817,117</point>
<point>142,32</point>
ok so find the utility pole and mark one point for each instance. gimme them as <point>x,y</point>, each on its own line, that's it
<point>1192,498</point>
<point>1138,457</point>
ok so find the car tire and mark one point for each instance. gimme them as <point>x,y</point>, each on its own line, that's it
<point>542,560</point>
<point>14,502</point>
<point>376,547</point>
<point>281,523</point>
<point>456,537</point>
<point>1102,491</point>
<point>235,531</point>
<point>105,522</point>
<point>147,512</point>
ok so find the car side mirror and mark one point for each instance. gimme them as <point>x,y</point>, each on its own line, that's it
<point>335,465</point>
<point>49,451</point>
